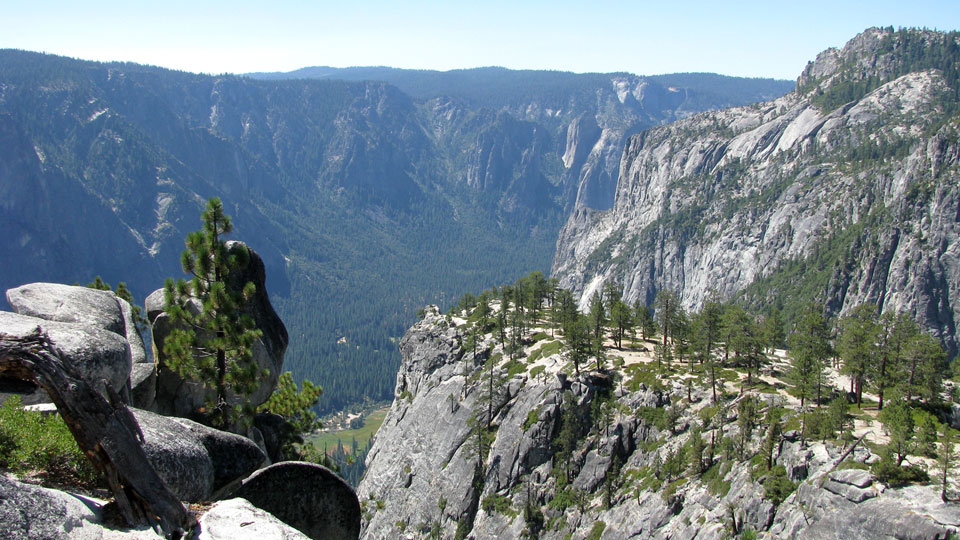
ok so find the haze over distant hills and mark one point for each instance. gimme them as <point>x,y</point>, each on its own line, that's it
<point>366,199</point>
<point>496,86</point>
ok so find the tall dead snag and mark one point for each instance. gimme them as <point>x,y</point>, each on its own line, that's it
<point>105,430</point>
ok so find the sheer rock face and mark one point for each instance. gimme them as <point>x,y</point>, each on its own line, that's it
<point>178,397</point>
<point>422,474</point>
<point>723,199</point>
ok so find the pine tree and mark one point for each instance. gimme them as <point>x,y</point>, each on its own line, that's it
<point>858,346</point>
<point>945,460</point>
<point>295,406</point>
<point>708,327</point>
<point>928,361</point>
<point>809,350</point>
<point>621,316</point>
<point>212,339</point>
<point>746,421</point>
<point>482,313</point>
<point>696,453</point>
<point>838,416</point>
<point>772,441</point>
<point>643,319</point>
<point>539,288</point>
<point>567,437</point>
<point>667,307</point>
<point>773,335</point>
<point>598,316</point>
<point>897,421</point>
<point>682,332</point>
<point>578,340</point>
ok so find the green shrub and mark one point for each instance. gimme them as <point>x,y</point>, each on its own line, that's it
<point>532,418</point>
<point>642,375</point>
<point>545,350</point>
<point>540,336</point>
<point>714,479</point>
<point>31,442</point>
<point>596,531</point>
<point>777,486</point>
<point>671,488</point>
<point>654,416</point>
<point>536,371</point>
<point>514,367</point>
<point>568,497</point>
<point>498,504</point>
<point>887,471</point>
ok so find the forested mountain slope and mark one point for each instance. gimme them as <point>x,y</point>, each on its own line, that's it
<point>842,192</point>
<point>365,202</point>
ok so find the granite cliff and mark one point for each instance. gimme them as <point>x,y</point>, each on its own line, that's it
<point>590,455</point>
<point>844,191</point>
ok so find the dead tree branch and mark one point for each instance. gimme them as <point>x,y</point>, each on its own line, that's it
<point>105,430</point>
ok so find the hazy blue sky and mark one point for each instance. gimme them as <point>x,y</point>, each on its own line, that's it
<point>751,38</point>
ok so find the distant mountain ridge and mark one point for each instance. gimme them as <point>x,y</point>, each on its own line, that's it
<point>365,201</point>
<point>480,85</point>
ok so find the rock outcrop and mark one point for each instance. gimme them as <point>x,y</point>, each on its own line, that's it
<point>88,309</point>
<point>606,432</point>
<point>851,197</point>
<point>237,518</point>
<point>101,356</point>
<point>308,497</point>
<point>66,303</point>
<point>194,460</point>
<point>197,463</point>
<point>178,397</point>
<point>30,512</point>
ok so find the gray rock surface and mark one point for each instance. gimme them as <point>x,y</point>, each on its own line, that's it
<point>143,386</point>
<point>273,429</point>
<point>178,397</point>
<point>138,353</point>
<point>914,512</point>
<point>98,354</point>
<point>237,518</point>
<point>196,461</point>
<point>722,199</point>
<point>88,307</point>
<point>308,497</point>
<point>29,512</point>
<point>68,303</point>
<point>422,476</point>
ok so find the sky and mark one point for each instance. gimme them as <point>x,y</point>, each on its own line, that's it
<point>748,38</point>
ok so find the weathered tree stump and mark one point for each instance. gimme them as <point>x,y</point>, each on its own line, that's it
<point>105,430</point>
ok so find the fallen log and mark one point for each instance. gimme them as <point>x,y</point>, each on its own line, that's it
<point>105,430</point>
